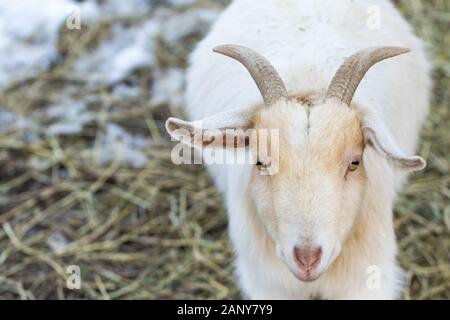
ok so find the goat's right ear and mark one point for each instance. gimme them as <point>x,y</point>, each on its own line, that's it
<point>212,131</point>
<point>379,137</point>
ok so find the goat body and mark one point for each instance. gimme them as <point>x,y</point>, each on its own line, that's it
<point>306,41</point>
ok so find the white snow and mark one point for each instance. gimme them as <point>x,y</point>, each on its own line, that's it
<point>169,87</point>
<point>131,48</point>
<point>125,51</point>
<point>29,31</point>
<point>181,3</point>
<point>181,25</point>
<point>125,7</point>
<point>57,242</point>
<point>7,119</point>
<point>125,91</point>
<point>28,34</point>
<point>71,116</point>
<point>118,145</point>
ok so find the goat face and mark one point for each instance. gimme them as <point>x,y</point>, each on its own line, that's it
<point>309,187</point>
<point>309,205</point>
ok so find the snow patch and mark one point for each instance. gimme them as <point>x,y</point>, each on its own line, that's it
<point>186,23</point>
<point>119,145</point>
<point>70,117</point>
<point>29,32</point>
<point>57,242</point>
<point>169,86</point>
<point>181,3</point>
<point>125,51</point>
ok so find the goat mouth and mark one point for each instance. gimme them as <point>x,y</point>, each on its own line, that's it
<point>307,277</point>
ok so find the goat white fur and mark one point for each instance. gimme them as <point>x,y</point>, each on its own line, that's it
<point>351,220</point>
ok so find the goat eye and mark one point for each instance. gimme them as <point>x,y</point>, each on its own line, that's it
<point>353,165</point>
<point>261,166</point>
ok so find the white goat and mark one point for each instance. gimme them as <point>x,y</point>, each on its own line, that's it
<point>322,226</point>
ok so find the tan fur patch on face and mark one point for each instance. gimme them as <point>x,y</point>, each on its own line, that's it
<point>335,135</point>
<point>329,134</point>
<point>313,197</point>
<point>320,139</point>
<point>308,98</point>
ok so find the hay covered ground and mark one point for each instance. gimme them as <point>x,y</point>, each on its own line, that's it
<point>85,171</point>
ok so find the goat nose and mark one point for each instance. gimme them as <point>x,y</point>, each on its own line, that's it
<point>308,258</point>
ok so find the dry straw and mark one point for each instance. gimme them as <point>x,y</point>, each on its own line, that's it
<point>160,231</point>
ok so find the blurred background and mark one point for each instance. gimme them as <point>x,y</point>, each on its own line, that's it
<point>85,172</point>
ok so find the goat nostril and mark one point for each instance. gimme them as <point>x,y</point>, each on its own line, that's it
<point>308,257</point>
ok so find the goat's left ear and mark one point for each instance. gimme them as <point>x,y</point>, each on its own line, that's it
<point>220,130</point>
<point>377,135</point>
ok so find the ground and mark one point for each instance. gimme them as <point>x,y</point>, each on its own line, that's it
<point>85,171</point>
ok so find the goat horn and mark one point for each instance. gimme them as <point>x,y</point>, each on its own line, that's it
<point>352,71</point>
<point>263,73</point>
